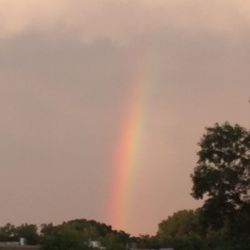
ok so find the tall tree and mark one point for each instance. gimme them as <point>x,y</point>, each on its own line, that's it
<point>222,174</point>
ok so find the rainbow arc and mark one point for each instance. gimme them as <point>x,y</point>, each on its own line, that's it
<point>127,149</point>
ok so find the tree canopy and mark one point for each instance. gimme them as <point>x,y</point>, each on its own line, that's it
<point>181,224</point>
<point>222,174</point>
<point>78,233</point>
<point>10,232</point>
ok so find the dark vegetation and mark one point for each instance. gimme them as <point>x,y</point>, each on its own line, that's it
<point>221,178</point>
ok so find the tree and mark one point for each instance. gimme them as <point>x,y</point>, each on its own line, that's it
<point>222,174</point>
<point>78,233</point>
<point>147,242</point>
<point>64,238</point>
<point>29,232</point>
<point>182,230</point>
<point>8,233</point>
<point>181,224</point>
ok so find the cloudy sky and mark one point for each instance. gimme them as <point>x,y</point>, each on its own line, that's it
<point>66,75</point>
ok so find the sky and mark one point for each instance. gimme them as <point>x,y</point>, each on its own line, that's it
<point>68,69</point>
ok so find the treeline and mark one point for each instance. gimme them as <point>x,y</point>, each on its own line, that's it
<point>184,230</point>
<point>221,178</point>
<point>78,234</point>
<point>74,235</point>
<point>189,230</point>
<point>9,233</point>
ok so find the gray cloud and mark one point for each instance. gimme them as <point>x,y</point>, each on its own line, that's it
<point>122,21</point>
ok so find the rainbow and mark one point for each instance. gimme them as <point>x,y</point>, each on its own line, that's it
<point>127,149</point>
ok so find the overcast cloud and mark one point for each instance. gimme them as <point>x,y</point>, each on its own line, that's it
<point>65,80</point>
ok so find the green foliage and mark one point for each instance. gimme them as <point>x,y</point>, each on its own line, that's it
<point>222,174</point>
<point>181,224</point>
<point>11,233</point>
<point>182,230</point>
<point>64,238</point>
<point>113,242</point>
<point>29,232</point>
<point>145,242</point>
<point>82,231</point>
<point>222,179</point>
<point>71,235</point>
<point>8,233</point>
